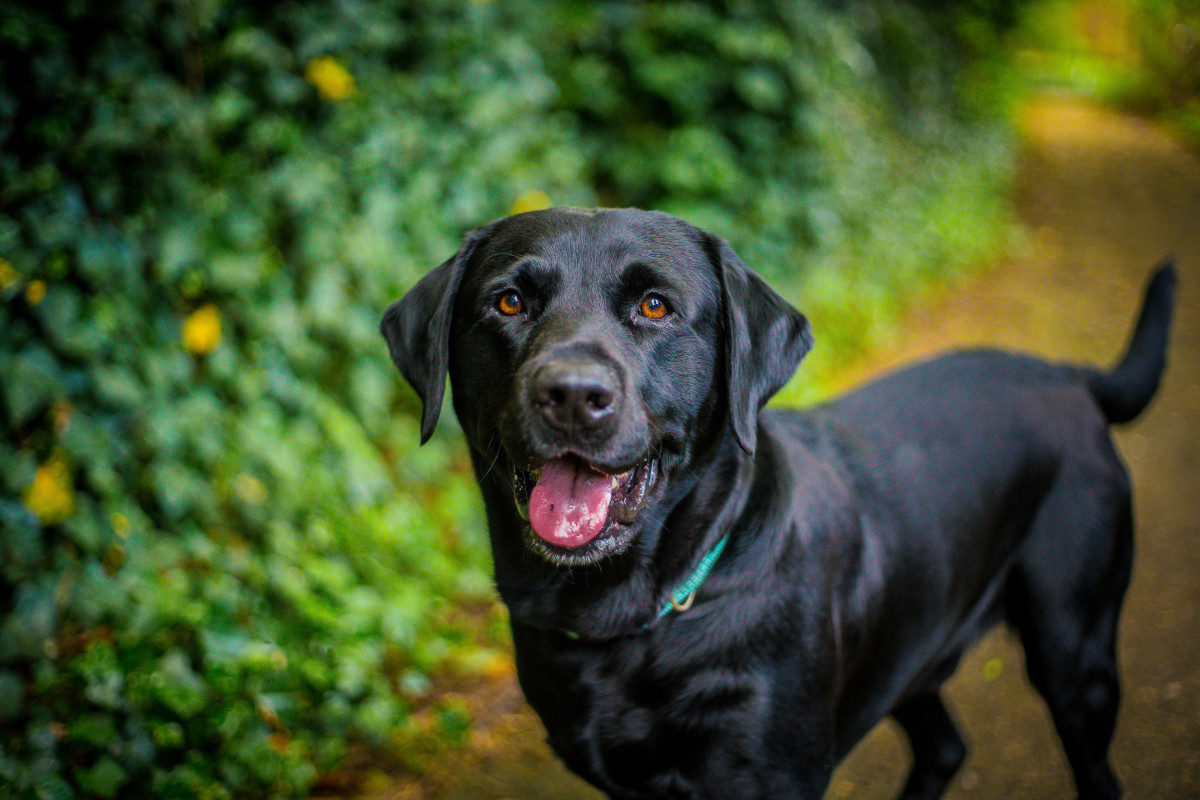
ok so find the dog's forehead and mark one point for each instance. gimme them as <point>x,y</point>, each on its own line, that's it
<point>593,245</point>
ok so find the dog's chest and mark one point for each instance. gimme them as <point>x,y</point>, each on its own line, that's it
<point>633,717</point>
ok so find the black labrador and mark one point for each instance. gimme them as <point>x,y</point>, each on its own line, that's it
<point>711,600</point>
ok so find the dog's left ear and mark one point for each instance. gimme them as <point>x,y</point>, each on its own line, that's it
<point>765,338</point>
<point>417,330</point>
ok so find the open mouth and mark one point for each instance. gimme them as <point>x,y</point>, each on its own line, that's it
<point>570,503</point>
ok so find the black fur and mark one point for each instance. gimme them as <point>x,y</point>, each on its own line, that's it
<point>871,540</point>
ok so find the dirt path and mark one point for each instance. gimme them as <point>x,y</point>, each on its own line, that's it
<point>1104,197</point>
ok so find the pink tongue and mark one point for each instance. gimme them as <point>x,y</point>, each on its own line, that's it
<point>569,505</point>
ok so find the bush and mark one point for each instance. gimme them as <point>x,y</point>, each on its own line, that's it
<point>210,581</point>
<point>1142,55</point>
<point>1167,36</point>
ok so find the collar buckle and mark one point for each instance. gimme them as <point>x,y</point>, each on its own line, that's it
<point>685,595</point>
<point>686,604</point>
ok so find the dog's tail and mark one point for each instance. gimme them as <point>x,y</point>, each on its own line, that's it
<point>1125,390</point>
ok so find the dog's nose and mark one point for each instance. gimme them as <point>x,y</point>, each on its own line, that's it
<point>573,394</point>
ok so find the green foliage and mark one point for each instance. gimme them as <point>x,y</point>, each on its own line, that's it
<point>222,555</point>
<point>1143,55</point>
<point>1167,36</point>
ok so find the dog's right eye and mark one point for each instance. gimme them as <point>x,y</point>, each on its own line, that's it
<point>654,307</point>
<point>510,304</point>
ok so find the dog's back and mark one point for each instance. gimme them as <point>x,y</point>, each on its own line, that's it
<point>988,482</point>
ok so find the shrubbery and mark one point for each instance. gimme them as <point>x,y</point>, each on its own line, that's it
<point>222,555</point>
<point>1142,55</point>
<point>1167,40</point>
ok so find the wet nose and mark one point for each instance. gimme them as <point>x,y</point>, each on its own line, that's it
<point>574,394</point>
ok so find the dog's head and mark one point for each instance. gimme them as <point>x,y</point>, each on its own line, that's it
<point>597,358</point>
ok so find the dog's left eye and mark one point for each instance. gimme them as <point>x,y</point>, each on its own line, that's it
<point>510,304</point>
<point>654,307</point>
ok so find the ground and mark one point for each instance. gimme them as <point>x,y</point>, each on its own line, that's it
<point>1102,198</point>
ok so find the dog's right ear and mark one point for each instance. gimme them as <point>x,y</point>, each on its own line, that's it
<point>417,330</point>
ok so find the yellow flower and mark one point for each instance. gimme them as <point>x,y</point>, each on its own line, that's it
<point>202,330</point>
<point>332,80</point>
<point>35,292</point>
<point>530,200</point>
<point>8,275</point>
<point>51,496</point>
<point>250,489</point>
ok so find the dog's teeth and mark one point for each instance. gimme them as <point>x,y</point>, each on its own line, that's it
<point>614,482</point>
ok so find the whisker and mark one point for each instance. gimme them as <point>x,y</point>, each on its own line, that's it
<point>491,443</point>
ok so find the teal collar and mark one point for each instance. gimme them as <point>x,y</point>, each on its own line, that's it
<point>685,594</point>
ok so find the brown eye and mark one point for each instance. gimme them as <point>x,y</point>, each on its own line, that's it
<point>653,307</point>
<point>510,304</point>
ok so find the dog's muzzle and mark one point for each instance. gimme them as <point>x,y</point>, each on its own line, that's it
<point>583,469</point>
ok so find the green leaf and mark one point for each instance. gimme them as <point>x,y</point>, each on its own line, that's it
<point>179,247</point>
<point>102,674</point>
<point>47,786</point>
<point>59,313</point>
<point>107,257</point>
<point>178,487</point>
<point>95,729</point>
<point>31,380</point>
<point>21,546</point>
<point>104,779</point>
<point>12,696</point>
<point>26,632</point>
<point>116,386</point>
<point>178,686</point>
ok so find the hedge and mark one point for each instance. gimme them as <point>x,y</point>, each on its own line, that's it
<point>223,558</point>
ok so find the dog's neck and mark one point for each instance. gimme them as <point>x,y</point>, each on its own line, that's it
<point>624,595</point>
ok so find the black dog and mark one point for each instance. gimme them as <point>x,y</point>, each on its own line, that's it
<point>709,600</point>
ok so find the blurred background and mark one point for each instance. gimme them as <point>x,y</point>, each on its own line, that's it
<point>226,568</point>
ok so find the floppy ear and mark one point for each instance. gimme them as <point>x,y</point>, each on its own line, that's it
<point>417,330</point>
<point>765,338</point>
